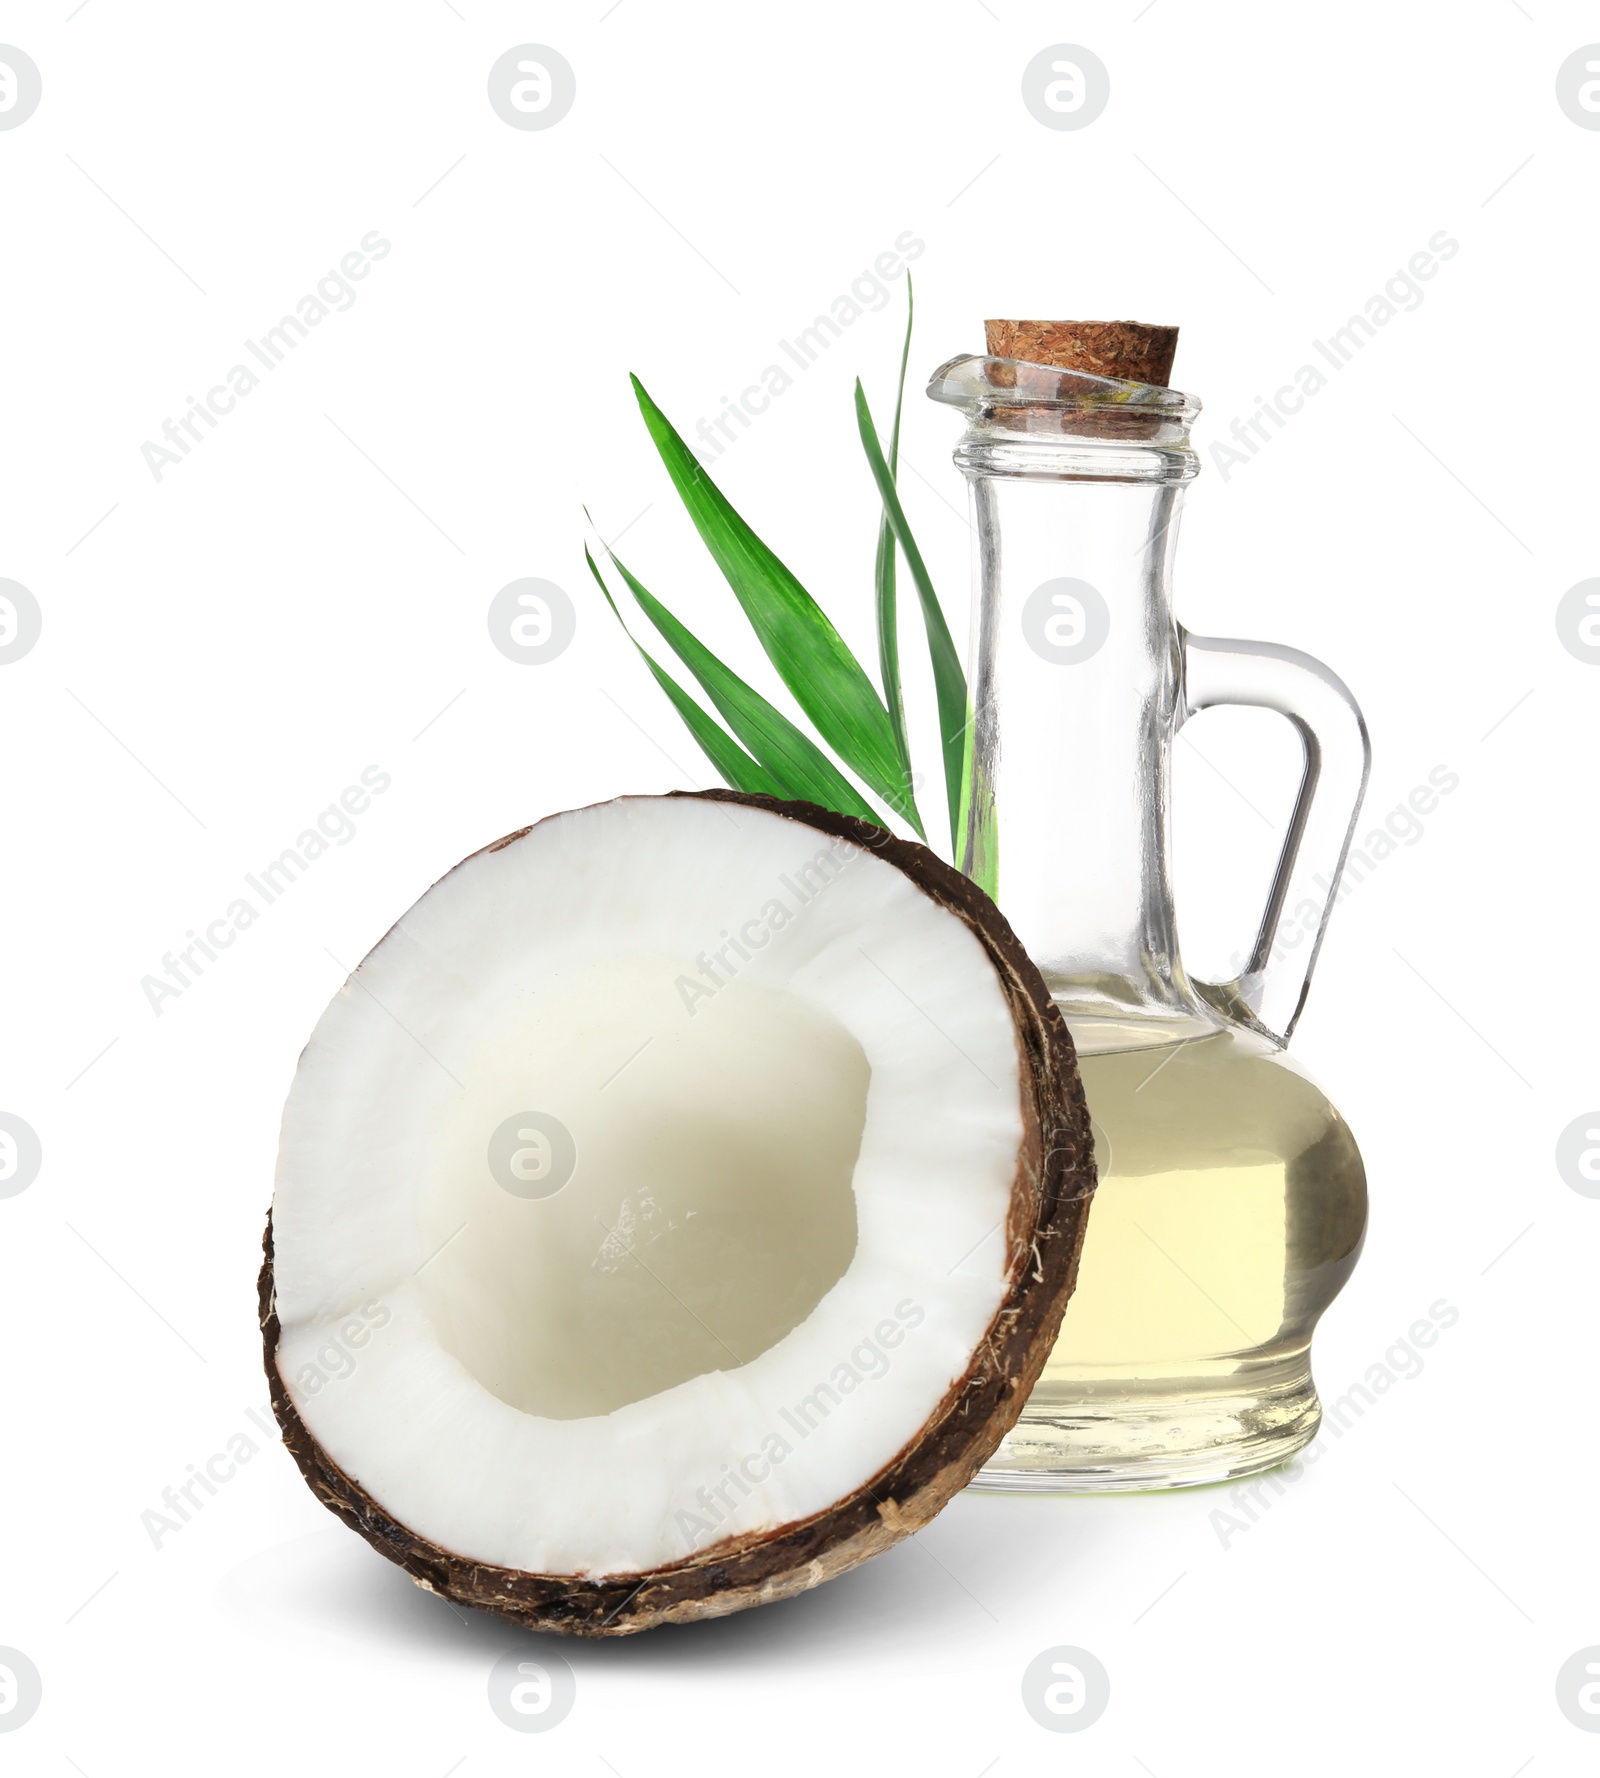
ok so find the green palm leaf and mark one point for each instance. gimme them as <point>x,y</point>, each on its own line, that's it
<point>739,771</point>
<point>949,681</point>
<point>795,765</point>
<point>884,567</point>
<point>809,654</point>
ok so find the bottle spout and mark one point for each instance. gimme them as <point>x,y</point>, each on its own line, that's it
<point>1016,395</point>
<point>1039,421</point>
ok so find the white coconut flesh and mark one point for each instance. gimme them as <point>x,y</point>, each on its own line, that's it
<point>791,1084</point>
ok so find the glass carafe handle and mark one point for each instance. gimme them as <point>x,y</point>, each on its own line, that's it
<point>1271,989</point>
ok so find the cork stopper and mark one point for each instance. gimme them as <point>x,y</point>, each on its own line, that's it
<point>1132,350</point>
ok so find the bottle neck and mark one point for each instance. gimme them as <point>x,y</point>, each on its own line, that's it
<point>1076,685</point>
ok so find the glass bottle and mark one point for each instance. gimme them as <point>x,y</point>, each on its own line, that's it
<point>1232,1198</point>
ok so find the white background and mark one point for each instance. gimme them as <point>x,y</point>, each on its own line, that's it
<point>226,648</point>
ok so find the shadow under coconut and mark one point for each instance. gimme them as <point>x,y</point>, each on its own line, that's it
<point>982,1560</point>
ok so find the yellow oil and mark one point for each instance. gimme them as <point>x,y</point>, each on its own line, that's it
<point>1230,1211</point>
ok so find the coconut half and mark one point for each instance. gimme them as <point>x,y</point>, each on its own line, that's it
<point>673,1210</point>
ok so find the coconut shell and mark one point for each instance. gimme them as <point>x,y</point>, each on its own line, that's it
<point>1044,1237</point>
